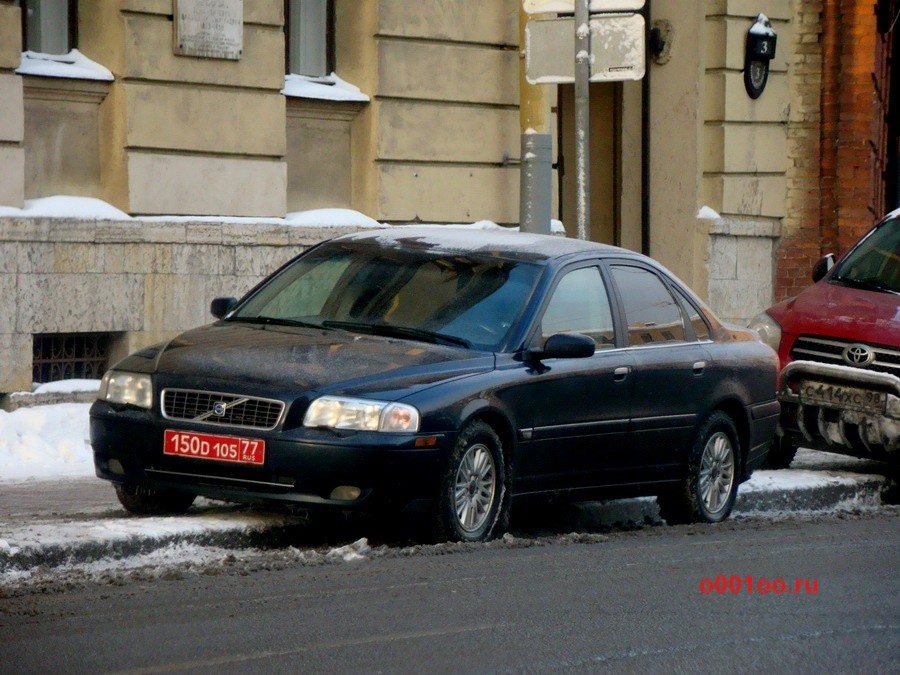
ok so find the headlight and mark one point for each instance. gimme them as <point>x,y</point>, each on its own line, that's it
<point>356,413</point>
<point>768,328</point>
<point>131,388</point>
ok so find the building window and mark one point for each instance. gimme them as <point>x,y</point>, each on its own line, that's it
<point>67,356</point>
<point>309,37</point>
<point>49,26</point>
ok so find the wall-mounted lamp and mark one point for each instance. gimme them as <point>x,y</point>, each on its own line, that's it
<point>758,53</point>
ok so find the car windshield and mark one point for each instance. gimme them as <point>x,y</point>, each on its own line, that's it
<point>875,262</point>
<point>449,298</point>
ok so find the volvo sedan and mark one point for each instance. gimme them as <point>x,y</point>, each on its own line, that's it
<point>445,373</point>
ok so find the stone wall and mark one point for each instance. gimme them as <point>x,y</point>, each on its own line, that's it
<point>143,280</point>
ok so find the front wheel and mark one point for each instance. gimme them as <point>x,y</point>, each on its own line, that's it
<point>144,501</point>
<point>473,502</point>
<point>708,492</point>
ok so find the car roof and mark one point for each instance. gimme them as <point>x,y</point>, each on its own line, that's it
<point>505,243</point>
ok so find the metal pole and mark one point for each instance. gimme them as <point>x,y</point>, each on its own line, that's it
<point>536,169</point>
<point>582,117</point>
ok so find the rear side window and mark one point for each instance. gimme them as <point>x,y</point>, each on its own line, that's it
<point>651,311</point>
<point>698,323</point>
<point>580,304</point>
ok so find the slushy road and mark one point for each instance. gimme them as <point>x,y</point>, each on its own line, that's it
<point>625,601</point>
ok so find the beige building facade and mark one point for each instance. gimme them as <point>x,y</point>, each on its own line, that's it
<point>206,157</point>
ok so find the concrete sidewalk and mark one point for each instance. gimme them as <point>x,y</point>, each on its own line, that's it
<point>67,521</point>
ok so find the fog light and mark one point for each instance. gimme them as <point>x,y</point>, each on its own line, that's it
<point>345,493</point>
<point>115,466</point>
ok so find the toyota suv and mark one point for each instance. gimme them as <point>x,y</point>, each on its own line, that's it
<point>839,346</point>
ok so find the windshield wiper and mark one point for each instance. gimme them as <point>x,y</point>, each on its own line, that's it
<point>273,321</point>
<point>387,330</point>
<point>872,284</point>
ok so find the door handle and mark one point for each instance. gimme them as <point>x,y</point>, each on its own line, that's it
<point>699,367</point>
<point>621,373</point>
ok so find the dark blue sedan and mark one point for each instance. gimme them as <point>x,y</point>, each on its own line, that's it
<point>445,372</point>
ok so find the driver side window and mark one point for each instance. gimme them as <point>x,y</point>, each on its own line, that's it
<point>580,304</point>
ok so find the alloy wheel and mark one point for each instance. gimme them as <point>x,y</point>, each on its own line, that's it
<point>716,472</point>
<point>475,487</point>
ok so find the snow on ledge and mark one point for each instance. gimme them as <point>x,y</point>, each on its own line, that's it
<point>327,88</point>
<point>73,65</point>
<point>708,213</point>
<point>330,218</point>
<point>66,206</point>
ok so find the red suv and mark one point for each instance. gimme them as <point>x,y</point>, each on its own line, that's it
<point>839,346</point>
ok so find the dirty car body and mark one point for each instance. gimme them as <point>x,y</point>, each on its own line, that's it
<point>444,371</point>
<point>839,345</point>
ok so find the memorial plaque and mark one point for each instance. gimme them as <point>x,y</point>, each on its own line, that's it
<point>212,29</point>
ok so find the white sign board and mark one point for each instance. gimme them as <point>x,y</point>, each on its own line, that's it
<point>568,6</point>
<point>617,49</point>
<point>212,29</point>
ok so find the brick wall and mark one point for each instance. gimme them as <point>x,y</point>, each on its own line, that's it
<point>836,135</point>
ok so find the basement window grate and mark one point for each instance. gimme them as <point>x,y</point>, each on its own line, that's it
<point>67,356</point>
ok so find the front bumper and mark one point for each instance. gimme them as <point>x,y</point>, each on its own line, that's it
<point>840,409</point>
<point>302,466</point>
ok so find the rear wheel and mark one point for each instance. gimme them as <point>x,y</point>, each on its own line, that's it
<point>473,502</point>
<point>149,502</point>
<point>708,492</point>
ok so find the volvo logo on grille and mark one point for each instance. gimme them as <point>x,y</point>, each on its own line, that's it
<point>858,355</point>
<point>219,408</point>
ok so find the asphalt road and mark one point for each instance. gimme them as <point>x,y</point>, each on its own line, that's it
<point>625,601</point>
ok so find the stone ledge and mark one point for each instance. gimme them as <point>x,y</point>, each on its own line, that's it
<point>738,226</point>
<point>225,232</point>
<point>16,400</point>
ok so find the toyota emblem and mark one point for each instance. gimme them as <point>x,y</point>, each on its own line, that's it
<point>858,355</point>
<point>219,408</point>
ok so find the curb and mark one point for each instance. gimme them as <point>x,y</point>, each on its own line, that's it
<point>84,542</point>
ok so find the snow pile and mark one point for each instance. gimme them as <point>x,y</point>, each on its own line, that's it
<point>330,218</point>
<point>65,206</point>
<point>45,442</point>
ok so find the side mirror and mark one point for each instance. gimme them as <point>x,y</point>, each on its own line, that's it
<point>821,268</point>
<point>220,307</point>
<point>565,346</point>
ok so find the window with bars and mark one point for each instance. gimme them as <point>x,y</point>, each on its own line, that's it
<point>67,356</point>
<point>49,26</point>
<point>309,37</point>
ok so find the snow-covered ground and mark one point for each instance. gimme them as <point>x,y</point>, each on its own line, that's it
<point>50,441</point>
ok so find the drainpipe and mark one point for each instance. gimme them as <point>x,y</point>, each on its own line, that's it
<point>828,140</point>
<point>645,144</point>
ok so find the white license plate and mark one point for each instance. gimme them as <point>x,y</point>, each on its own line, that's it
<point>839,396</point>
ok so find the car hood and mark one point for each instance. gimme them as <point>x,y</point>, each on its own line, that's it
<point>828,309</point>
<point>283,359</point>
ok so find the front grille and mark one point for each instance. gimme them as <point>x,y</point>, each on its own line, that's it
<point>827,350</point>
<point>235,411</point>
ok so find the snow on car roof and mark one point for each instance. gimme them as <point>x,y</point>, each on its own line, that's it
<point>495,241</point>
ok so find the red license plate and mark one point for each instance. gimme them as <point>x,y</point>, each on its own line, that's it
<point>214,447</point>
